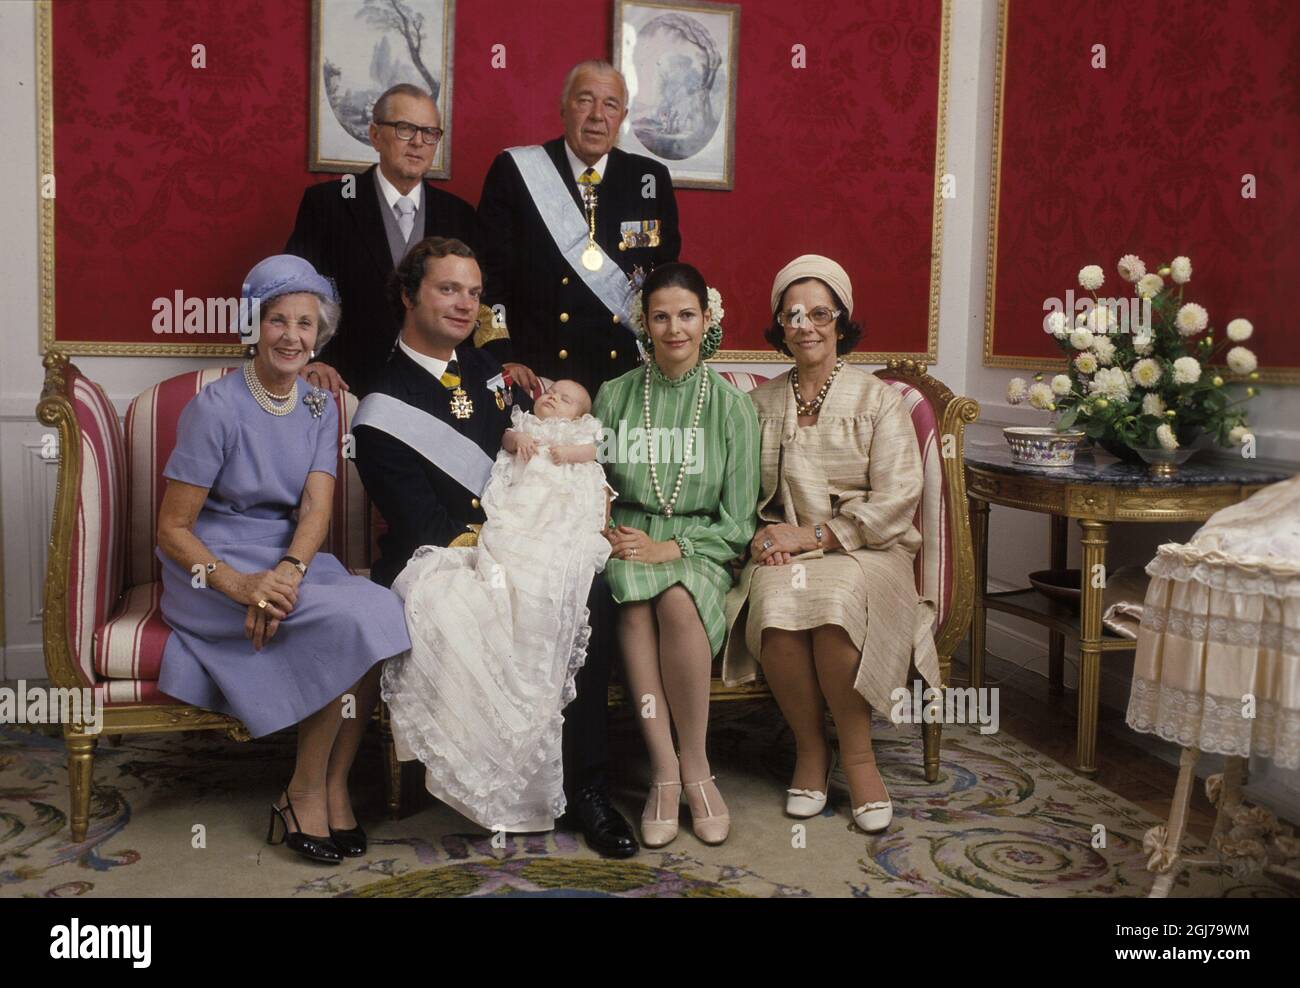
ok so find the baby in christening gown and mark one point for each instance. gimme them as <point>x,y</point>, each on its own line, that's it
<point>499,631</point>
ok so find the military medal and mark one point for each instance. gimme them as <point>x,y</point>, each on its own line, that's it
<point>593,259</point>
<point>501,401</point>
<point>461,406</point>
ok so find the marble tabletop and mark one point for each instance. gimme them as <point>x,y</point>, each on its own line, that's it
<point>1099,467</point>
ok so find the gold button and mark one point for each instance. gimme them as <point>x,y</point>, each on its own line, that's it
<point>564,280</point>
<point>615,320</point>
<point>613,354</point>
<point>564,317</point>
<point>473,503</point>
<point>564,354</point>
<point>622,245</point>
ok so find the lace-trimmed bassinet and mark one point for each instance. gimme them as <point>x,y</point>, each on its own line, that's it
<point>1218,653</point>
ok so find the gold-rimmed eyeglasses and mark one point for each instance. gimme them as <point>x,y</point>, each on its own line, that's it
<point>819,316</point>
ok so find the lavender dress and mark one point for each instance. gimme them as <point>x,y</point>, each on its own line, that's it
<point>255,466</point>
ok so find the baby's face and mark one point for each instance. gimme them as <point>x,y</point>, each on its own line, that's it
<point>563,400</point>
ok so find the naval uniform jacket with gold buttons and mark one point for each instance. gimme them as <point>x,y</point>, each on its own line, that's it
<point>420,504</point>
<point>557,327</point>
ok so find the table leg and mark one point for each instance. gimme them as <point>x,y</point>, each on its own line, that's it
<point>1058,529</point>
<point>1229,795</point>
<point>979,523</point>
<point>1164,854</point>
<point>1094,556</point>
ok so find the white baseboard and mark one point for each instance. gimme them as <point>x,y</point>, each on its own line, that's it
<point>22,662</point>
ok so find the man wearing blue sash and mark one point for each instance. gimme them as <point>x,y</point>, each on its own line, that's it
<point>563,228</point>
<point>426,437</point>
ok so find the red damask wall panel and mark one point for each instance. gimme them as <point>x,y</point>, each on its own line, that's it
<point>1147,155</point>
<point>175,178</point>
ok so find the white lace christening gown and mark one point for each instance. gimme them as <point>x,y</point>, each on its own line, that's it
<point>498,633</point>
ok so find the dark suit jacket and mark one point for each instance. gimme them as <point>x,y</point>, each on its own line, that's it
<point>344,239</point>
<point>420,503</point>
<point>525,271</point>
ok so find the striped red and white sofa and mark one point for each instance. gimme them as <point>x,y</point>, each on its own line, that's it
<point>102,625</point>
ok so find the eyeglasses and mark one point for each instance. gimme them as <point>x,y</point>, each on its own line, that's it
<point>819,316</point>
<point>405,130</point>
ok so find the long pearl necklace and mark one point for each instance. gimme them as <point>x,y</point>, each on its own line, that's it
<point>814,406</point>
<point>275,404</point>
<point>668,504</point>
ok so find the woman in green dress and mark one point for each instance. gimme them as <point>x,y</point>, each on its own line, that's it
<point>683,456</point>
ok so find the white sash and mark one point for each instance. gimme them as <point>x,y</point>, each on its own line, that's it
<point>456,455</point>
<point>568,228</point>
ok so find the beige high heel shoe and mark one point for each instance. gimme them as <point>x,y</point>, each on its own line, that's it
<point>712,828</point>
<point>875,817</point>
<point>805,803</point>
<point>657,831</point>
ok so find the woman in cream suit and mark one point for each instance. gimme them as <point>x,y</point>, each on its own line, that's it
<point>840,483</point>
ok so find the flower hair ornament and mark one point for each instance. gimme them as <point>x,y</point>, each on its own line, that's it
<point>712,339</point>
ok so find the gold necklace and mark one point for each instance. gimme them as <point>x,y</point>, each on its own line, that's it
<point>814,406</point>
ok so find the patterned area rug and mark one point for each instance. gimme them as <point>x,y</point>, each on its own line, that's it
<point>185,815</point>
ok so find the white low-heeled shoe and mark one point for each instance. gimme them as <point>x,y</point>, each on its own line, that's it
<point>874,817</point>
<point>805,803</point>
<point>659,830</point>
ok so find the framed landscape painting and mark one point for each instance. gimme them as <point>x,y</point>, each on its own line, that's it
<point>359,48</point>
<point>679,60</point>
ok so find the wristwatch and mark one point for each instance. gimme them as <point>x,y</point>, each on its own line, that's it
<point>817,531</point>
<point>297,564</point>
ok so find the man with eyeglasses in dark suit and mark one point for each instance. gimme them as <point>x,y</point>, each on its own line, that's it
<point>355,230</point>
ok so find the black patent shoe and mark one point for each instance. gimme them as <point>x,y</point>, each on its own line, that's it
<point>607,833</point>
<point>351,843</point>
<point>320,849</point>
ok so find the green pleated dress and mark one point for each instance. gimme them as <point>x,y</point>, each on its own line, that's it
<point>716,507</point>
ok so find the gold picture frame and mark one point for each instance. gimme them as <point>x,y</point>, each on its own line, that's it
<point>330,130</point>
<point>1268,375</point>
<point>931,354</point>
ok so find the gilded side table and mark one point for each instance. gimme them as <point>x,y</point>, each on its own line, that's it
<point>1096,492</point>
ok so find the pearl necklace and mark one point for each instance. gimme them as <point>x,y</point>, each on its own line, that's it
<point>668,504</point>
<point>275,404</point>
<point>814,406</point>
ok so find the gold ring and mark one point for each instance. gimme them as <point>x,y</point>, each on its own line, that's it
<point>262,603</point>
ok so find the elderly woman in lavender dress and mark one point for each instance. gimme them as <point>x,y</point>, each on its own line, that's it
<point>265,627</point>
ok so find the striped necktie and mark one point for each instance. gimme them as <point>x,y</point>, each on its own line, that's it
<point>451,376</point>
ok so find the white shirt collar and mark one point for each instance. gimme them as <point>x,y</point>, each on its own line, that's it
<point>433,365</point>
<point>391,195</point>
<point>579,166</point>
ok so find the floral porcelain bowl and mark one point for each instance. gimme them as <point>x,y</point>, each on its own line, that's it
<point>1042,447</point>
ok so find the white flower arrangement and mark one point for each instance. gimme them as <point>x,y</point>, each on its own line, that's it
<point>1153,386</point>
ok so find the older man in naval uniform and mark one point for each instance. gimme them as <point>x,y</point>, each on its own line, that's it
<point>418,480</point>
<point>563,228</point>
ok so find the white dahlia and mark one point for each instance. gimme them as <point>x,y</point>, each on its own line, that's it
<point>1061,385</point>
<point>1040,395</point>
<point>1153,404</point>
<point>1092,277</point>
<point>1149,285</point>
<point>1104,349</point>
<point>1142,345</point>
<point>1131,267</point>
<point>1086,362</point>
<point>1017,390</point>
<point>1146,373</point>
<point>1180,270</point>
<point>1187,370</point>
<point>1241,360</point>
<point>1110,382</point>
<point>1238,434</point>
<point>1100,319</point>
<point>1165,436</point>
<point>1191,319</point>
<point>1239,330</point>
<point>1056,324</point>
<point>1081,339</point>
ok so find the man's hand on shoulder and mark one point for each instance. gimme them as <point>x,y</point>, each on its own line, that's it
<point>324,376</point>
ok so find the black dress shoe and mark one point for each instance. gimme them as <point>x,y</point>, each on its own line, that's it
<point>607,833</point>
<point>351,842</point>
<point>319,849</point>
